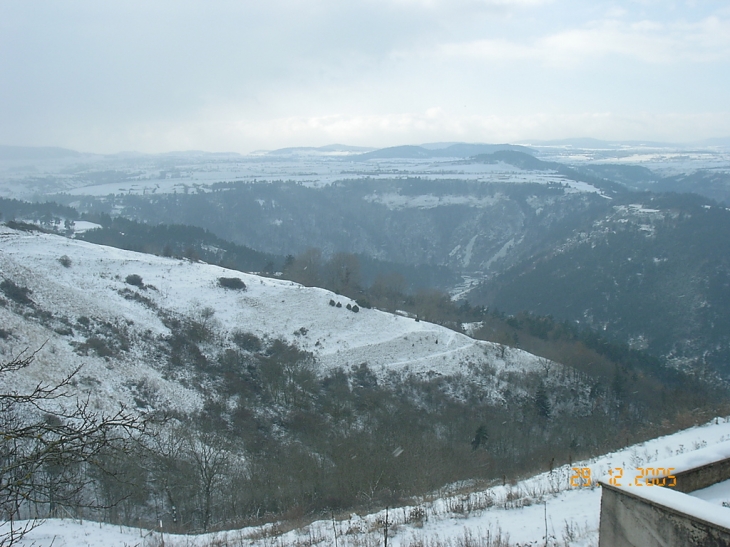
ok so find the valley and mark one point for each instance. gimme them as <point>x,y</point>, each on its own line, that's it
<point>469,225</point>
<point>310,331</point>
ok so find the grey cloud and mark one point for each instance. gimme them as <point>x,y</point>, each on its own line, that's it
<point>117,70</point>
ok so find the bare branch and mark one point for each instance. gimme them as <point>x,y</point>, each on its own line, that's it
<point>47,448</point>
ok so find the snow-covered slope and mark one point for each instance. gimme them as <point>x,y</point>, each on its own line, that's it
<point>90,290</point>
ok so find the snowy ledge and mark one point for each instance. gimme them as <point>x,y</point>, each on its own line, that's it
<point>693,462</point>
<point>690,472</point>
<point>680,504</point>
<point>693,471</point>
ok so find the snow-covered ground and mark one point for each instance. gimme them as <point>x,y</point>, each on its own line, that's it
<point>81,226</point>
<point>523,512</point>
<point>93,286</point>
<point>665,161</point>
<point>192,174</point>
<point>718,493</point>
<point>95,175</point>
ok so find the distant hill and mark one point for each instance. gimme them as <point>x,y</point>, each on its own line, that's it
<point>327,149</point>
<point>636,177</point>
<point>718,141</point>
<point>711,183</point>
<point>35,153</point>
<point>529,162</point>
<point>651,270</point>
<point>593,144</point>
<point>518,159</point>
<point>460,150</point>
<point>438,145</point>
<point>199,154</point>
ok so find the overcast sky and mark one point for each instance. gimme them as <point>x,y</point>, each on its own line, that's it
<point>161,75</point>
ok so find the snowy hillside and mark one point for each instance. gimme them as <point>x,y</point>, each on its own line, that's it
<point>84,310</point>
<point>518,514</point>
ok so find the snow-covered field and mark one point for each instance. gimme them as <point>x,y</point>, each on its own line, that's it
<point>151,175</point>
<point>541,510</point>
<point>190,172</point>
<point>665,161</point>
<point>96,175</point>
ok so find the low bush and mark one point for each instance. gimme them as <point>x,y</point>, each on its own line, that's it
<point>97,345</point>
<point>234,283</point>
<point>247,341</point>
<point>129,294</point>
<point>15,292</point>
<point>26,227</point>
<point>135,280</point>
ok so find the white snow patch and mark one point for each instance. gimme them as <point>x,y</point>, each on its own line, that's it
<point>395,201</point>
<point>502,252</point>
<point>81,226</point>
<point>718,494</point>
<point>468,250</point>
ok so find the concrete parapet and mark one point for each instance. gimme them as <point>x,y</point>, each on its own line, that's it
<point>629,520</point>
<point>698,478</point>
<point>638,514</point>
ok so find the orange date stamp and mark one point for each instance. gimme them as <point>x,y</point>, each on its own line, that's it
<point>644,476</point>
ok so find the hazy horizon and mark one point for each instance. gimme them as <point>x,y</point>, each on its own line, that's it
<point>242,76</point>
<point>568,142</point>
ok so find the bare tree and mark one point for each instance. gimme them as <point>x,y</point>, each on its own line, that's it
<point>305,268</point>
<point>211,460</point>
<point>190,467</point>
<point>389,290</point>
<point>343,273</point>
<point>48,441</point>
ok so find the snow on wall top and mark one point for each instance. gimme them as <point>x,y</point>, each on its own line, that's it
<point>683,462</point>
<point>683,503</point>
